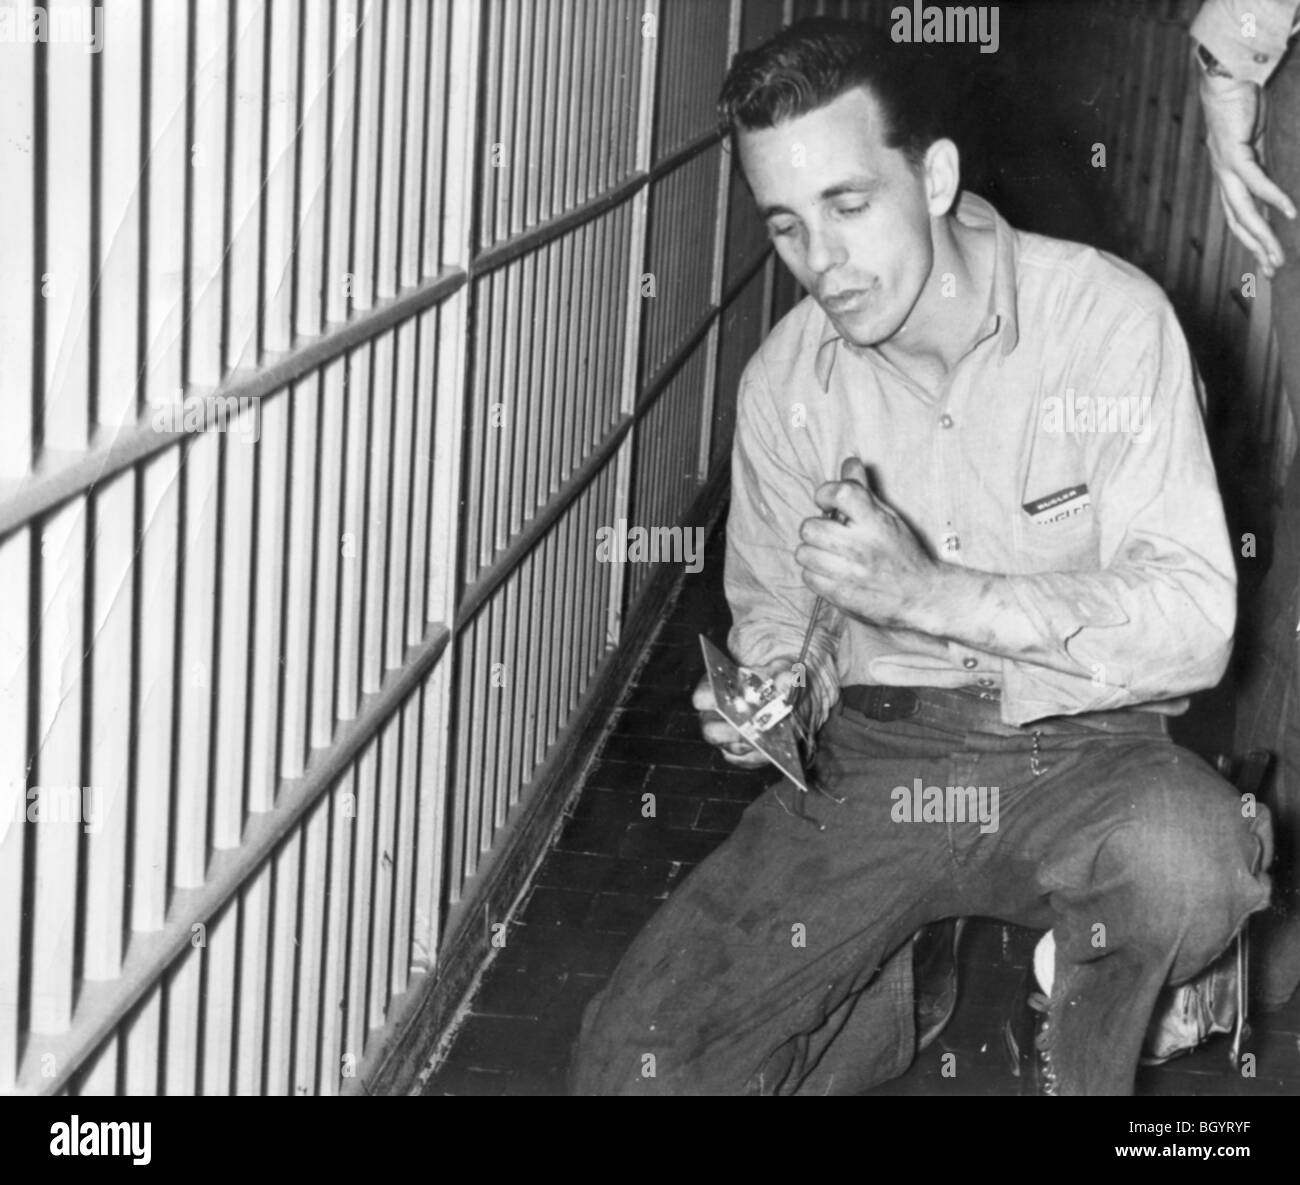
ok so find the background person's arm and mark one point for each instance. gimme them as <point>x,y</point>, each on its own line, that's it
<point>1245,40</point>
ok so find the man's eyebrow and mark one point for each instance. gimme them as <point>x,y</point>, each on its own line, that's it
<point>855,185</point>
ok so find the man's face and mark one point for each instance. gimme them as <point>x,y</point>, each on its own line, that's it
<point>848,215</point>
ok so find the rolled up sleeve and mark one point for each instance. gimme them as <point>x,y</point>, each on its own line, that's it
<point>1157,620</point>
<point>1224,28</point>
<point>770,498</point>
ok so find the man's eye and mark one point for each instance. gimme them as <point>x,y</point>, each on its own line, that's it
<point>849,211</point>
<point>779,232</point>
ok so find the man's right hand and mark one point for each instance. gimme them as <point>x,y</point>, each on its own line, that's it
<point>1231,110</point>
<point>733,747</point>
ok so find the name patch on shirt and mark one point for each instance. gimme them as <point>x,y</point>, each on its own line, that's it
<point>1059,505</point>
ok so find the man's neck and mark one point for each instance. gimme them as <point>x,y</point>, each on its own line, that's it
<point>952,306</point>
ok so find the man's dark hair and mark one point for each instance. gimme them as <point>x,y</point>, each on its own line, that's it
<point>813,62</point>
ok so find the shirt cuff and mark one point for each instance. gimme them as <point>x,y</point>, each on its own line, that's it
<point>1218,27</point>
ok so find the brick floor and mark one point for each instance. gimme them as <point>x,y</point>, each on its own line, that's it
<point>611,868</point>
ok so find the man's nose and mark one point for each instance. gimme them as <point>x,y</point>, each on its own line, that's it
<point>825,251</point>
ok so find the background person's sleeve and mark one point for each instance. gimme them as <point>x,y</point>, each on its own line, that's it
<point>1221,26</point>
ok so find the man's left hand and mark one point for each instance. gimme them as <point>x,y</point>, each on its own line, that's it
<point>871,564</point>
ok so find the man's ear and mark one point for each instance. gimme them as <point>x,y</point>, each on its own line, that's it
<point>942,175</point>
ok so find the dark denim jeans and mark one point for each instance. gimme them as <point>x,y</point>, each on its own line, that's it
<point>782,963</point>
<point>1268,714</point>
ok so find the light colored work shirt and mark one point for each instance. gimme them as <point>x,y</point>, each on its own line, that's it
<point>1066,449</point>
<point>1248,37</point>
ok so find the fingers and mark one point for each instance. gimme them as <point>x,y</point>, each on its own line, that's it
<point>1267,190</point>
<point>702,697</point>
<point>849,498</point>
<point>1246,222</point>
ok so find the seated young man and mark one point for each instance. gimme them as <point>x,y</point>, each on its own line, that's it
<point>1031,572</point>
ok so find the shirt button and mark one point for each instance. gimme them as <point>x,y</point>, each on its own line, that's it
<point>970,663</point>
<point>951,543</point>
<point>945,420</point>
<point>985,682</point>
<point>1261,57</point>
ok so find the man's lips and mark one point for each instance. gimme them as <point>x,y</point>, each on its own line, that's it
<point>847,300</point>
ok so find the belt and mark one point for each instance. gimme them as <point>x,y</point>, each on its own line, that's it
<point>876,702</point>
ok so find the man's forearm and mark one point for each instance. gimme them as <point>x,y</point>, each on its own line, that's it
<point>980,610</point>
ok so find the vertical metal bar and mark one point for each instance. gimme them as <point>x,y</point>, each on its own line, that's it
<point>243,261</point>
<point>254,926</point>
<point>15,672</point>
<point>19,156</point>
<point>407,795</point>
<point>401,489</point>
<point>110,723</point>
<point>544,694</point>
<point>281,129</point>
<point>415,145</point>
<point>355,533</point>
<point>314,183</point>
<point>508,478</point>
<point>118,287</point>
<point>268,601</point>
<point>303,504</point>
<point>444,135</point>
<point>522,162</point>
<point>342,816</point>
<point>278,1053</point>
<point>65,285</point>
<point>140,1038</point>
<point>359,935</point>
<point>377,514</point>
<point>220,982</point>
<point>311,1004</point>
<point>426,420</point>
<point>366,164</point>
<point>525,681</point>
<point>435,798</point>
<point>338,278</point>
<point>198,619</point>
<point>566,114</point>
<point>329,545</point>
<point>154,633</point>
<point>544,97</point>
<point>636,311</point>
<point>168,167</point>
<point>181,987</point>
<point>390,150</point>
<point>208,164</point>
<point>379,960</point>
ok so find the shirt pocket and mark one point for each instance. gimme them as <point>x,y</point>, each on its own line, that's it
<point>1067,544</point>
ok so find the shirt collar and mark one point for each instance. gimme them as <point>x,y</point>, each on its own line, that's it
<point>1002,317</point>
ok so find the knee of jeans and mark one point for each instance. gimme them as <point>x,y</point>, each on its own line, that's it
<point>1194,876</point>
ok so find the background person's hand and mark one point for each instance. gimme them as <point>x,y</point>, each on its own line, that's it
<point>1231,113</point>
<point>733,747</point>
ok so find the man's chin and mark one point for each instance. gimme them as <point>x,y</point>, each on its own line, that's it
<point>863,331</point>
